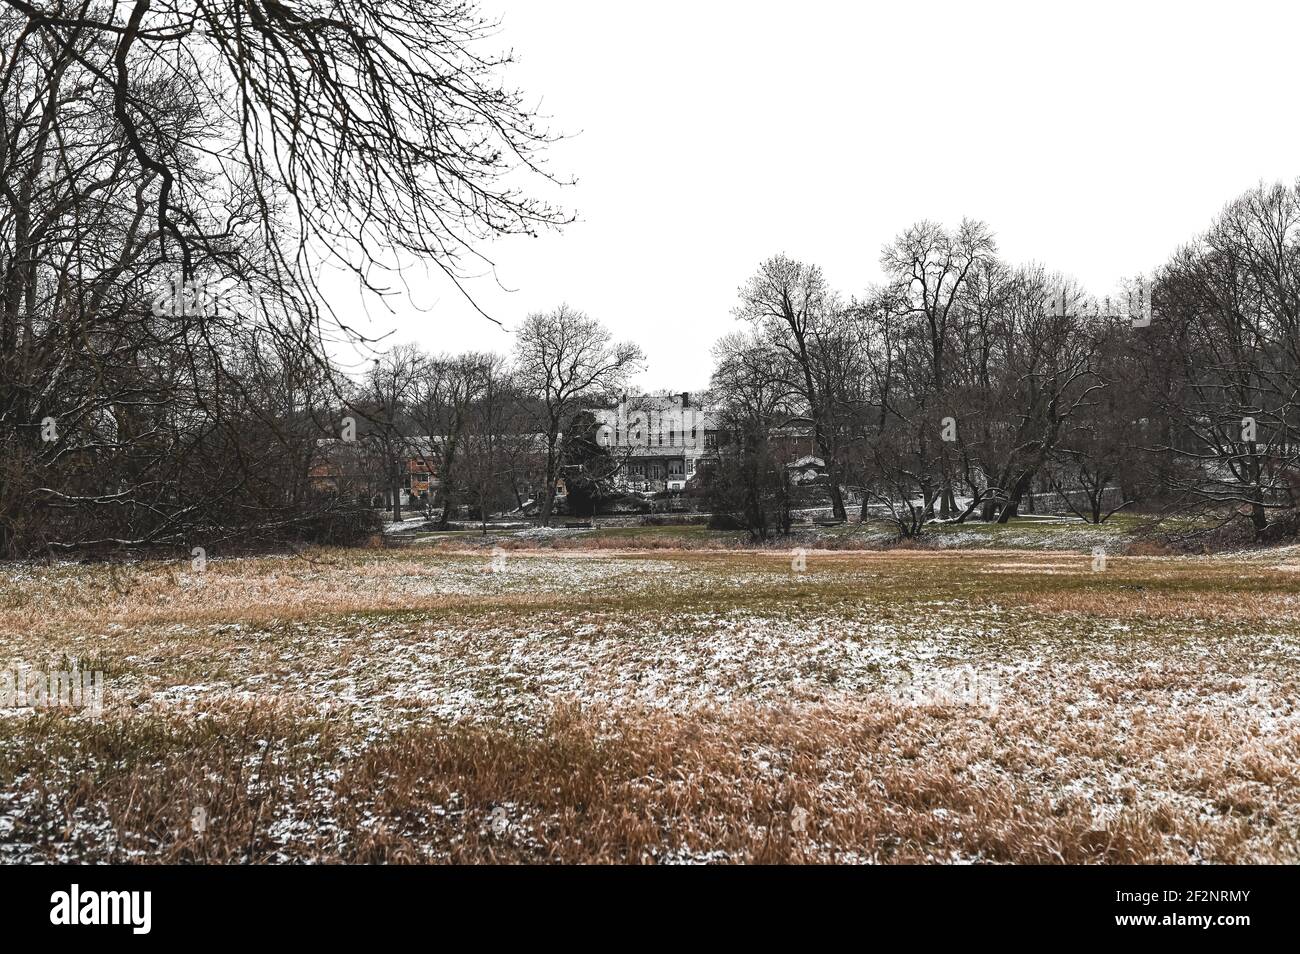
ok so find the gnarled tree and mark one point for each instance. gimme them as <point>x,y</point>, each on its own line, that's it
<point>173,176</point>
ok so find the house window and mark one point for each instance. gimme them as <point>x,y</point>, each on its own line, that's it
<point>711,439</point>
<point>690,466</point>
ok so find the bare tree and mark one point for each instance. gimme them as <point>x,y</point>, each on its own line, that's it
<point>568,361</point>
<point>441,404</point>
<point>743,379</point>
<point>895,450</point>
<point>748,485</point>
<point>798,314</point>
<point>929,268</point>
<point>384,401</point>
<point>1043,373</point>
<point>172,175</point>
<point>1102,463</point>
<point>1229,310</point>
<point>488,435</point>
<point>376,124</point>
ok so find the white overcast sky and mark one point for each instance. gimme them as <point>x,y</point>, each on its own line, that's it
<point>706,136</point>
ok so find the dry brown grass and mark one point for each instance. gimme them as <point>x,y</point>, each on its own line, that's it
<point>46,601</point>
<point>672,706</point>
<point>832,782</point>
<point>878,783</point>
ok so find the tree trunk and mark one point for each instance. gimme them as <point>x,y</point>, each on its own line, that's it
<point>1012,506</point>
<point>948,504</point>
<point>927,501</point>
<point>449,462</point>
<point>837,501</point>
<point>1258,518</point>
<point>548,492</point>
<point>832,472</point>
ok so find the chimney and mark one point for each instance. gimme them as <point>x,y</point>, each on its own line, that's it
<point>686,399</point>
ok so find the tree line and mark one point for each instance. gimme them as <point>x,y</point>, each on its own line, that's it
<point>498,431</point>
<point>956,389</point>
<point>173,174</point>
<point>961,384</point>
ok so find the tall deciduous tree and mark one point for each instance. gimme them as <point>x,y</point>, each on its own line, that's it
<point>929,269</point>
<point>568,361</point>
<point>795,310</point>
<point>173,173</point>
<point>1228,308</point>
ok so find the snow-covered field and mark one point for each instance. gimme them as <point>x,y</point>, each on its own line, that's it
<point>661,706</point>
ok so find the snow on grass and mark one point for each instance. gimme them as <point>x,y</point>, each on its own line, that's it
<point>912,704</point>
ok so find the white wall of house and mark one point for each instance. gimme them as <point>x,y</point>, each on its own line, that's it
<point>661,437</point>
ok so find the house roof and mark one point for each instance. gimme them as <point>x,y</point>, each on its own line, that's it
<point>808,460</point>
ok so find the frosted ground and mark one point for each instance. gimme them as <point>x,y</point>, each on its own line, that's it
<point>419,704</point>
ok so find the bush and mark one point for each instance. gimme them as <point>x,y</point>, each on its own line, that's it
<point>336,526</point>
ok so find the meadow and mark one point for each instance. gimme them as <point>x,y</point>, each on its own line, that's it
<point>622,697</point>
